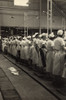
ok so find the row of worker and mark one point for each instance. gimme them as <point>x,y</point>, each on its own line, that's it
<point>46,52</point>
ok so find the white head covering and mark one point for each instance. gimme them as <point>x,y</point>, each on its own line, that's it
<point>24,38</point>
<point>18,37</point>
<point>28,37</point>
<point>33,36</point>
<point>60,32</point>
<point>36,34</point>
<point>43,35</point>
<point>51,35</point>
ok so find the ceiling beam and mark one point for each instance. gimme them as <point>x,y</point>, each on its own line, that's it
<point>59,9</point>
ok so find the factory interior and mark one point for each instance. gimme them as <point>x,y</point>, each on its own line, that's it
<point>32,49</point>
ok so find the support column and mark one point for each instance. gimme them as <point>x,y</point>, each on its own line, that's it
<point>49,16</point>
<point>63,23</point>
<point>12,32</point>
<point>24,24</point>
<point>40,19</point>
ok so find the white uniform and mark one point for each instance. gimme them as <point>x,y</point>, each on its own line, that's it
<point>18,44</point>
<point>26,54</point>
<point>64,71</point>
<point>58,64</point>
<point>12,49</point>
<point>40,42</point>
<point>22,53</point>
<point>34,53</point>
<point>15,47</point>
<point>3,45</point>
<point>8,46</point>
<point>49,56</point>
<point>11,46</point>
<point>27,50</point>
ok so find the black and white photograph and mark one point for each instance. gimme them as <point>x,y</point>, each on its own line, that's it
<point>32,49</point>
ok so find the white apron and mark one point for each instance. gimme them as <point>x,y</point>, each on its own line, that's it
<point>34,55</point>
<point>49,56</point>
<point>58,64</point>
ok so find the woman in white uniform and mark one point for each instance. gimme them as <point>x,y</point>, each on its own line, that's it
<point>22,52</point>
<point>9,46</point>
<point>34,52</point>
<point>18,49</point>
<point>41,45</point>
<point>64,71</point>
<point>50,54</point>
<point>58,64</point>
<point>27,50</point>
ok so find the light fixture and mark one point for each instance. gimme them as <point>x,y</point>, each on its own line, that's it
<point>21,2</point>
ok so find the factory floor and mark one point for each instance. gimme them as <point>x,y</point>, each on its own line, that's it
<point>15,84</point>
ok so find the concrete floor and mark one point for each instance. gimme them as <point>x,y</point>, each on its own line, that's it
<point>27,88</point>
<point>60,93</point>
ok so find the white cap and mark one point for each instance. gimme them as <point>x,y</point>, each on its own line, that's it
<point>36,34</point>
<point>28,37</point>
<point>18,37</point>
<point>33,36</point>
<point>60,32</point>
<point>24,38</point>
<point>51,35</point>
<point>44,35</point>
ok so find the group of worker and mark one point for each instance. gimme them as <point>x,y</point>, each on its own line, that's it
<point>45,52</point>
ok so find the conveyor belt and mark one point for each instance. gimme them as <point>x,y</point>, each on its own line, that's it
<point>7,89</point>
<point>42,85</point>
<point>34,78</point>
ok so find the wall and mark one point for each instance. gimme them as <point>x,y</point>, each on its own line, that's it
<point>14,16</point>
<point>31,21</point>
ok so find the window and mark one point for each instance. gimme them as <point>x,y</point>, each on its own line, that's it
<point>21,2</point>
